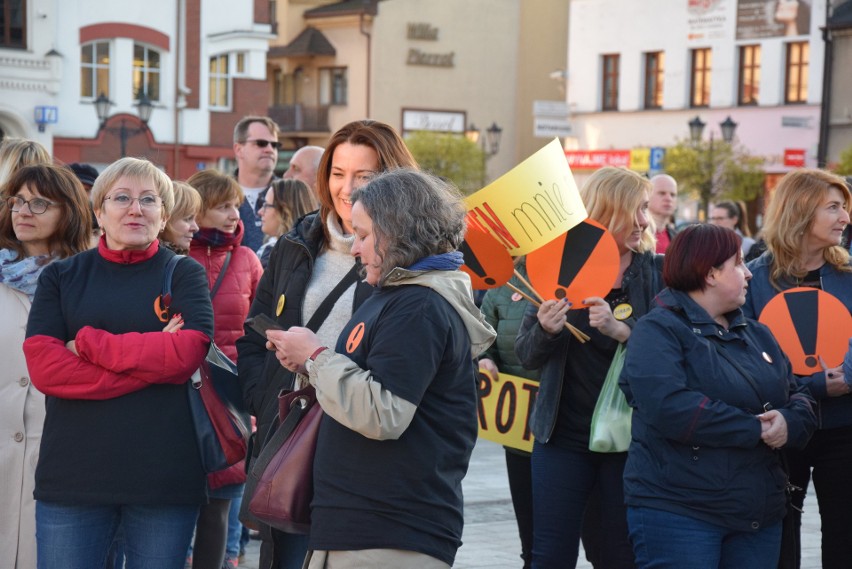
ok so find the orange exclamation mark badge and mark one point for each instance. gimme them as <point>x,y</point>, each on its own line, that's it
<point>486,260</point>
<point>809,324</point>
<point>581,263</point>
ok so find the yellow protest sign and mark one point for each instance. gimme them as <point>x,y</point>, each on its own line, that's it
<point>505,405</point>
<point>530,205</point>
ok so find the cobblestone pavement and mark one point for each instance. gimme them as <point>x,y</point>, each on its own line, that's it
<point>490,538</point>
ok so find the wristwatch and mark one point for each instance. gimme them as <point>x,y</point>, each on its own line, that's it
<point>309,363</point>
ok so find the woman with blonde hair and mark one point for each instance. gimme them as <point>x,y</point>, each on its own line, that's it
<point>803,229</point>
<point>181,225</point>
<point>119,446</point>
<point>285,203</point>
<point>571,378</point>
<point>18,152</point>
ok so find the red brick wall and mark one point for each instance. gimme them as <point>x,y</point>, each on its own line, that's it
<point>261,12</point>
<point>250,97</point>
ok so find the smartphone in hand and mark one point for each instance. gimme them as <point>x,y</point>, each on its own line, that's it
<point>261,323</point>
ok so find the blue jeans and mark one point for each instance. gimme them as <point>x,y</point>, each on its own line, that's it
<point>79,537</point>
<point>666,540</point>
<point>562,481</point>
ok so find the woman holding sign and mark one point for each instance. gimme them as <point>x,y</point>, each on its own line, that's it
<point>803,231</point>
<point>713,398</point>
<point>564,470</point>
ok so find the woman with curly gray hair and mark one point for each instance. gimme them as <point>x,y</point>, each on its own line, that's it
<point>399,388</point>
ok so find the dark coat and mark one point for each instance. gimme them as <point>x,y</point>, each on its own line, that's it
<point>696,448</point>
<point>536,348</point>
<point>289,270</point>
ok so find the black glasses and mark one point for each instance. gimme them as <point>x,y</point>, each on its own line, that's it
<point>37,205</point>
<point>261,143</point>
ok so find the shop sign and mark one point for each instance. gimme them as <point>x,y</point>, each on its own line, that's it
<point>594,159</point>
<point>794,157</point>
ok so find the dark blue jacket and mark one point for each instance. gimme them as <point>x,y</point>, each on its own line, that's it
<point>696,447</point>
<point>832,412</point>
<point>536,348</point>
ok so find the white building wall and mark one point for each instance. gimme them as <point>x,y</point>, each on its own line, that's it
<point>631,29</point>
<point>30,77</point>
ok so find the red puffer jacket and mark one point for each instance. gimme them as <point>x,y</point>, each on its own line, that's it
<point>233,299</point>
<point>230,305</point>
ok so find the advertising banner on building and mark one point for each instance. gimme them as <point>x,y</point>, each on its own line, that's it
<point>707,19</point>
<point>758,19</point>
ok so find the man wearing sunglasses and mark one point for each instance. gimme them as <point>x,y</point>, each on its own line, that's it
<point>256,150</point>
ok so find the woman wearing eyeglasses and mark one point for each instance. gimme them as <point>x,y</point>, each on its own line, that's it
<point>45,218</point>
<point>119,447</point>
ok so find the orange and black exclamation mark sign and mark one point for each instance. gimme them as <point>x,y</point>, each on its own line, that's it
<point>472,263</point>
<point>486,260</point>
<point>804,312</point>
<point>577,265</point>
<point>580,242</point>
<point>355,337</point>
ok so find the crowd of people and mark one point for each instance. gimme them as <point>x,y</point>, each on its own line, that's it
<point>354,253</point>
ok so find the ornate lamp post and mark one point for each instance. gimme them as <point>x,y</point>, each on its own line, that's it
<point>123,132</point>
<point>696,129</point>
<point>490,143</point>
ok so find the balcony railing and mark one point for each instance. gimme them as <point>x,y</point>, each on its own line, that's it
<point>300,118</point>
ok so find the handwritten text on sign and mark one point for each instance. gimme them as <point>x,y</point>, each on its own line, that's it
<point>505,406</point>
<point>530,205</point>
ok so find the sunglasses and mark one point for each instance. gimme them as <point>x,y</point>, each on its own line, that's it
<point>261,143</point>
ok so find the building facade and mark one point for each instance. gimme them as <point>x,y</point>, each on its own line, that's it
<point>201,63</point>
<point>438,65</point>
<point>661,63</point>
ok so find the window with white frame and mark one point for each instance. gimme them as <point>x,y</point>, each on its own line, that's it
<point>220,82</point>
<point>94,69</point>
<point>146,72</point>
<point>333,86</point>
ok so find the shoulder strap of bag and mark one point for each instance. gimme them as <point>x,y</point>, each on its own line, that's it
<point>324,309</point>
<point>277,437</point>
<point>166,295</point>
<point>218,282</point>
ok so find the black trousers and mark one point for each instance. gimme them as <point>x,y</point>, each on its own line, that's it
<point>520,486</point>
<point>828,461</point>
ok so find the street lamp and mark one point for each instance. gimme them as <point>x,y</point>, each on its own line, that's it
<point>490,143</point>
<point>144,107</point>
<point>696,129</point>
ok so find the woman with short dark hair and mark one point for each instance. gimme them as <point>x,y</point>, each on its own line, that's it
<point>399,397</point>
<point>704,485</point>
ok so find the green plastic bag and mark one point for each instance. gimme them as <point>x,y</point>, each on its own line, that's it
<point>611,419</point>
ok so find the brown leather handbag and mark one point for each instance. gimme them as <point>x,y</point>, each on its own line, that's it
<point>282,475</point>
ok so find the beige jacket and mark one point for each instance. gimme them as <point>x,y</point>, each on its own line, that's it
<point>21,420</point>
<point>348,393</point>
